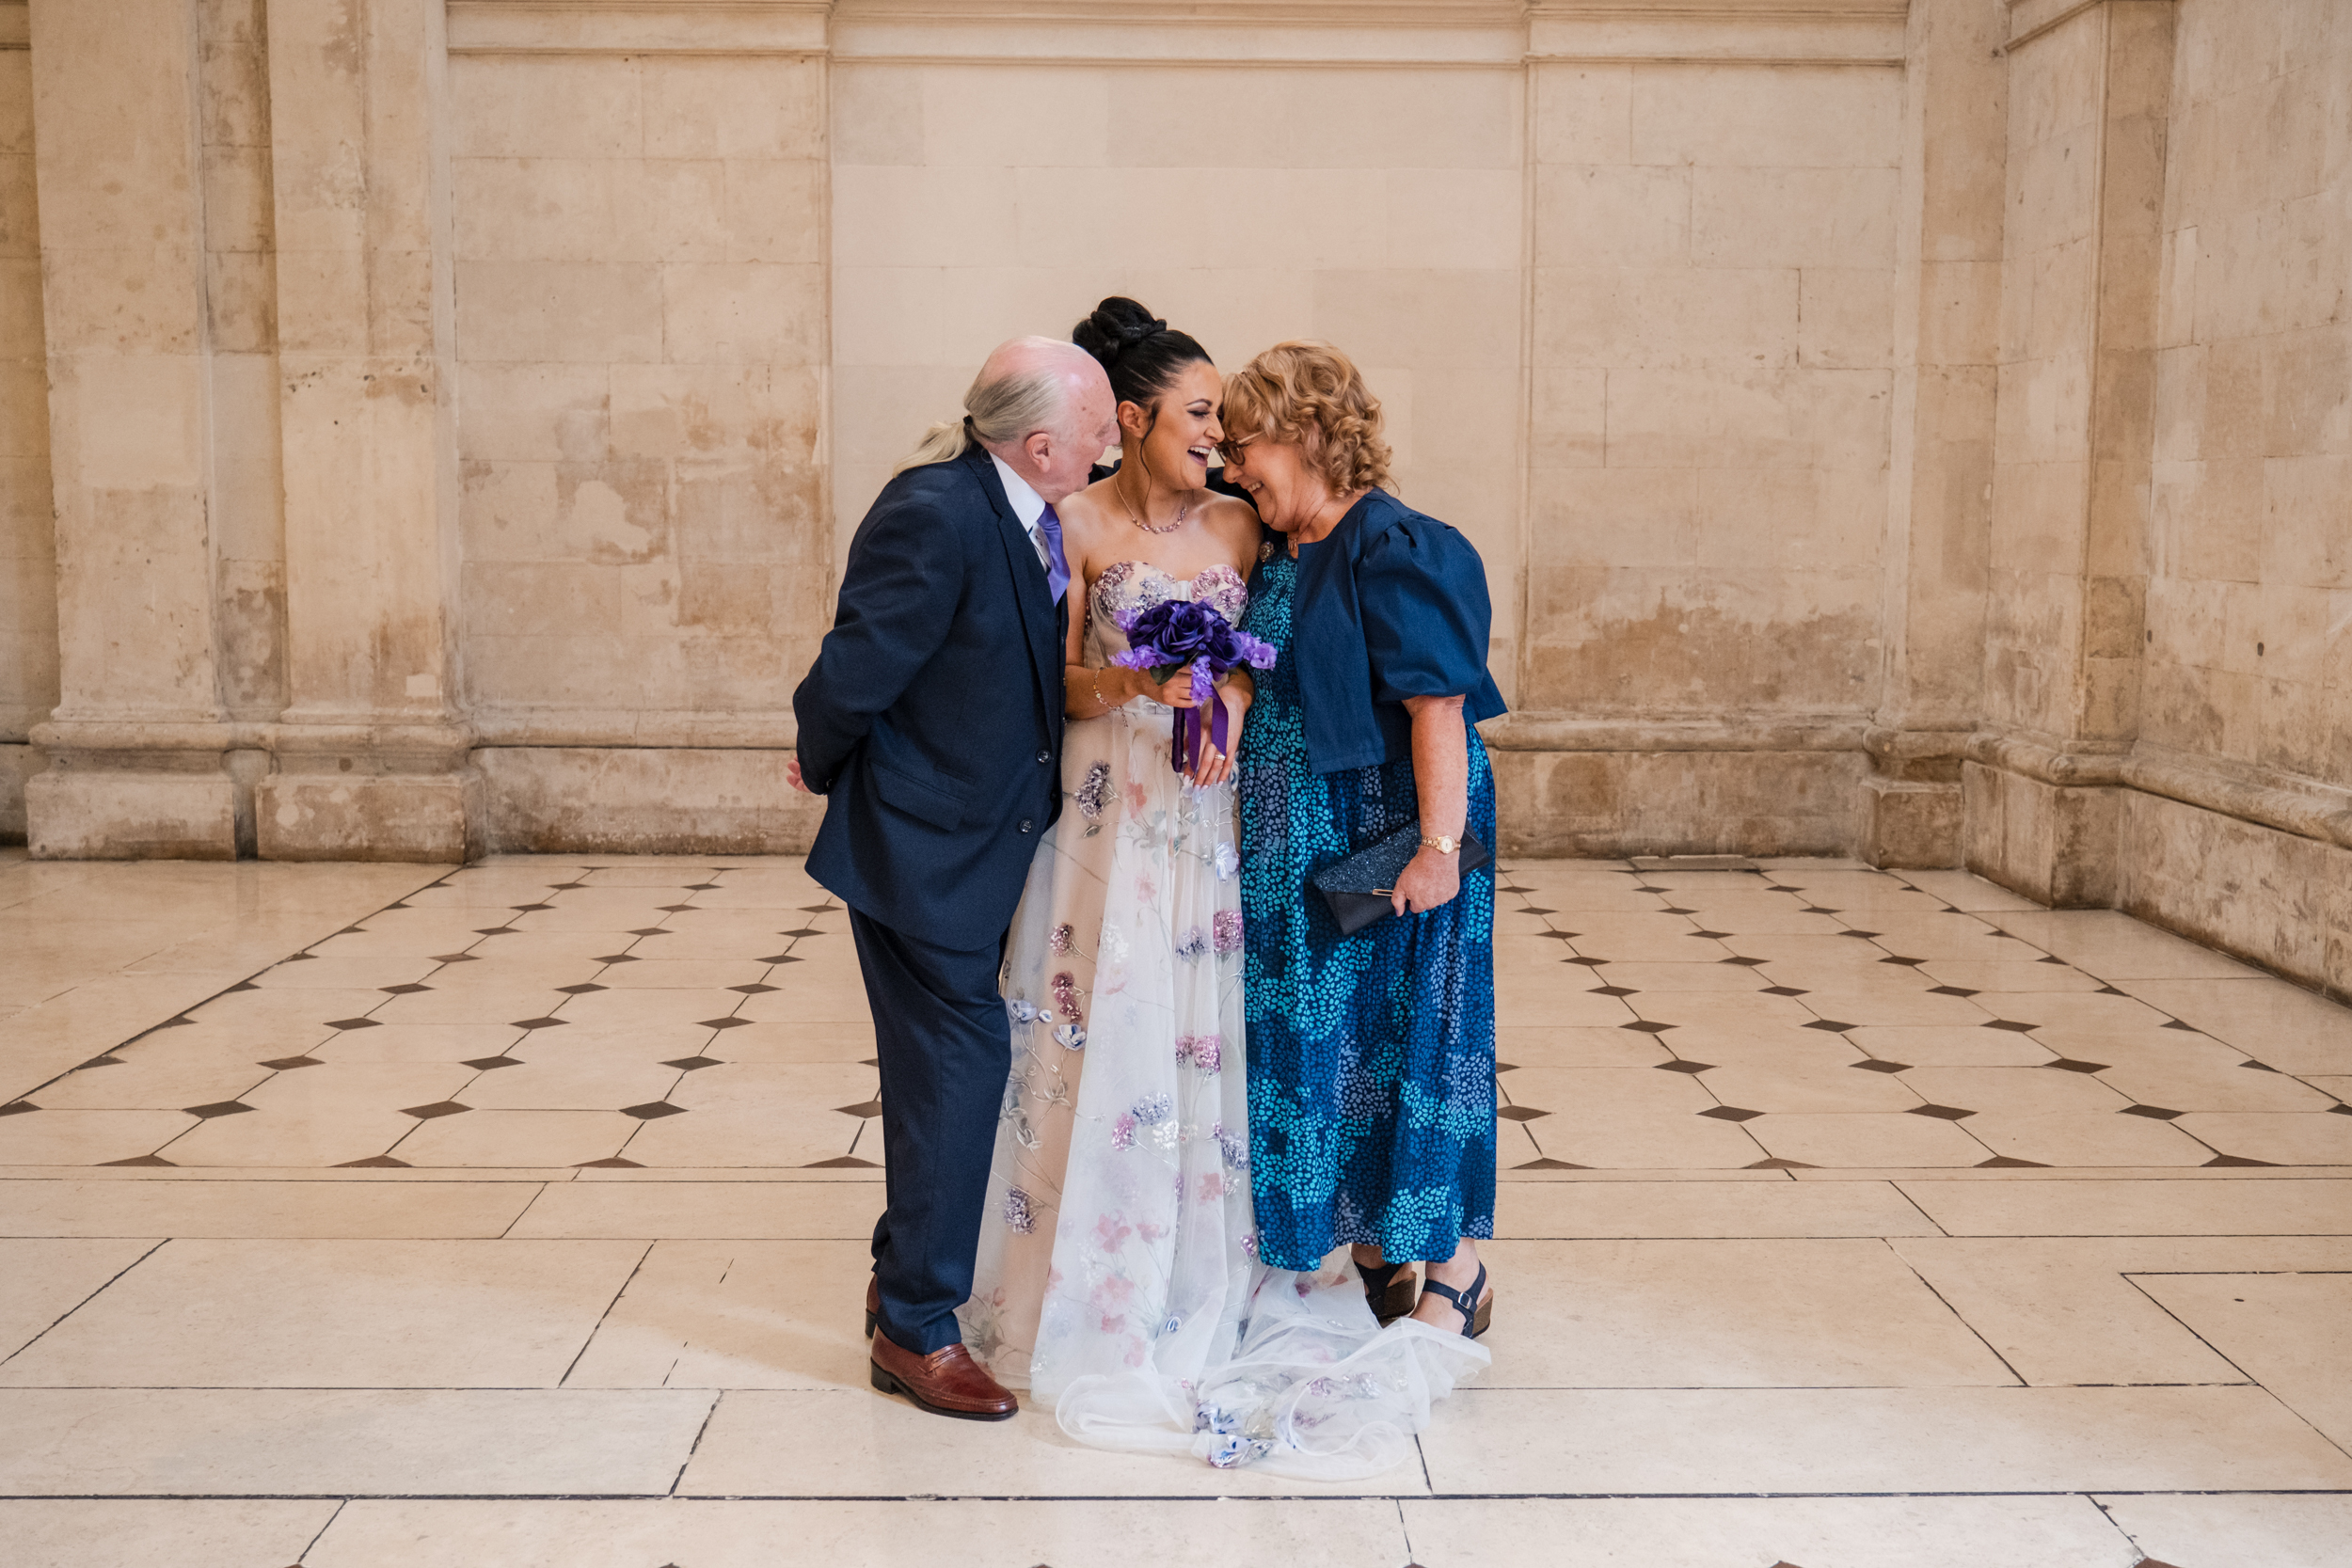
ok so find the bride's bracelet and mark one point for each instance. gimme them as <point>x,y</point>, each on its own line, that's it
<point>1100,699</point>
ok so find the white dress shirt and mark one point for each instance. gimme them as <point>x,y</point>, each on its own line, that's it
<point>1028,505</point>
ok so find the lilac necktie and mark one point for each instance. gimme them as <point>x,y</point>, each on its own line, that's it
<point>1056,564</point>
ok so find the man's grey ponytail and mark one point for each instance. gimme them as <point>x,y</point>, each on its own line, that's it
<point>997,412</point>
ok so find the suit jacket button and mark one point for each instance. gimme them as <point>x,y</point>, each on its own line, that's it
<point>1024,824</point>
<point>1045,756</point>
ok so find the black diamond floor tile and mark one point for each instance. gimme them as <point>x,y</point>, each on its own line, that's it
<point>1949,991</point>
<point>1829,1026</point>
<point>584,988</point>
<point>2013,1025</point>
<point>217,1108</point>
<point>1852,932</point>
<point>455,957</point>
<point>2153,1112</point>
<point>1532,909</point>
<point>650,931</point>
<point>147,1159</point>
<point>700,887</point>
<point>103,1061</point>
<point>2004,1162</point>
<point>722,1024</point>
<point>539,1024</point>
<point>288,1064</point>
<point>778,959</point>
<point>1744,963</point>
<point>1647,1026</point>
<point>615,959</point>
<point>2069,1064</point>
<point>2176,1024</point>
<point>18,1108</point>
<point>528,909</point>
<point>1550,1165</point>
<point>439,1108</point>
<point>1786,991</point>
<point>490,1064</point>
<point>374,1161</point>
<point>1874,1065</point>
<point>841,1161</point>
<point>653,1109</point>
<point>804,931</point>
<point>1521,1113</point>
<point>1558,936</point>
<point>493,930</point>
<point>1614,991</point>
<point>610,1163</point>
<point>862,1108</point>
<point>673,908</point>
<point>755,989</point>
<point>1942,1112</point>
<point>351,1023</point>
<point>2232,1162</point>
<point>1680,1065</point>
<point>1730,1112</point>
<point>1589,963</point>
<point>1908,963</point>
<point>694,1064</point>
<point>1779,1164</point>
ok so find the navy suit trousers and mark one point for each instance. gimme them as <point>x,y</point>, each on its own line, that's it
<point>944,1050</point>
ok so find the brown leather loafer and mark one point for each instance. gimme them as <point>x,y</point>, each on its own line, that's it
<point>946,1383</point>
<point>873,1304</point>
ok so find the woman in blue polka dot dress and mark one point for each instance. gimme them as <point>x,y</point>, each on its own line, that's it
<point>1372,1057</point>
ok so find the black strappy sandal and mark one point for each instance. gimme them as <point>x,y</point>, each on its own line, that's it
<point>1476,1318</point>
<point>1391,1295</point>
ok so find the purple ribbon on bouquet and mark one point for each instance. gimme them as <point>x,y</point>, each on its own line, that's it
<point>1181,632</point>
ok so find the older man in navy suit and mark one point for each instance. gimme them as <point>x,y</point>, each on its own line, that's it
<point>931,722</point>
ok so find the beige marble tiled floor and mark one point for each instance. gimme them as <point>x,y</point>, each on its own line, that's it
<point>515,1215</point>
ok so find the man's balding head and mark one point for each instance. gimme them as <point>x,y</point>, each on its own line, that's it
<point>1044,407</point>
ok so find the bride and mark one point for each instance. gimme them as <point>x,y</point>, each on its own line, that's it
<point>1117,1274</point>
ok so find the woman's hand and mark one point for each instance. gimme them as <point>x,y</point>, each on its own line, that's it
<point>1175,691</point>
<point>1429,880</point>
<point>1212,766</point>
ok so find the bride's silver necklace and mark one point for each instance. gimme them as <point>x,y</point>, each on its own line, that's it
<point>1183,508</point>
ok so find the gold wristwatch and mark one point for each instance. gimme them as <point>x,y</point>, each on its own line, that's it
<point>1442,844</point>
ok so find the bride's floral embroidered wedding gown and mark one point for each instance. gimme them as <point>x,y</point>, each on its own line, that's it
<point>1118,1274</point>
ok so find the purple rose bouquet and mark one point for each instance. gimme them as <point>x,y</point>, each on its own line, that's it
<point>1166,638</point>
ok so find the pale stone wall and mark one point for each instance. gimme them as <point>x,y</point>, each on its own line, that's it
<point>1713,288</point>
<point>639,245</point>
<point>28,569</point>
<point>1915,429</point>
<point>2249,636</point>
<point>1377,207</point>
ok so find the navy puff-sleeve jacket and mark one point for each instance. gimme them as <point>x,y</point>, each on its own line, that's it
<point>1391,603</point>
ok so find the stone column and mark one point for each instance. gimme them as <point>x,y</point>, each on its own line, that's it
<point>137,739</point>
<point>1947,301</point>
<point>2089,92</point>
<point>372,754</point>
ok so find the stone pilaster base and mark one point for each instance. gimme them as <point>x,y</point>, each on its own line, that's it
<point>1910,824</point>
<point>2053,843</point>
<point>18,762</point>
<point>183,809</point>
<point>370,816</point>
<point>664,801</point>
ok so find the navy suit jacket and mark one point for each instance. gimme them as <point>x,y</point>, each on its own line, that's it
<point>931,721</point>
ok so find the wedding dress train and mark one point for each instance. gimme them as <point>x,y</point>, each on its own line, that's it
<point>1118,1274</point>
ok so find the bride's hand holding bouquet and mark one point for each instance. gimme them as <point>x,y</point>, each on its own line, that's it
<point>1187,640</point>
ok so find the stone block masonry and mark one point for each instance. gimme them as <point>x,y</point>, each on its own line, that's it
<point>1913,430</point>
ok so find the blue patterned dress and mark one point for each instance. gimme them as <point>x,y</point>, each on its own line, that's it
<point>1372,1057</point>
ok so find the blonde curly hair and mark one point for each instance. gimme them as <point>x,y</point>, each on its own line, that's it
<point>1309,394</point>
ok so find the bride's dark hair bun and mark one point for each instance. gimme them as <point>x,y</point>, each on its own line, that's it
<point>1142,355</point>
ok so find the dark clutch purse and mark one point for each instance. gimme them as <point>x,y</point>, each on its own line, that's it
<point>1358,888</point>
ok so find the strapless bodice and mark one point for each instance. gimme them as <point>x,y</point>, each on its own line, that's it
<point>1127,587</point>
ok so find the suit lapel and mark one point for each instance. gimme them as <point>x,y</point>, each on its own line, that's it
<point>1032,591</point>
